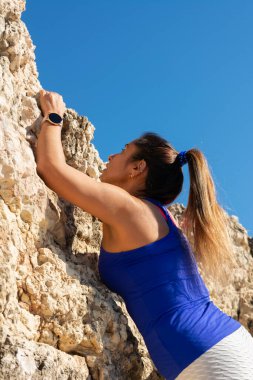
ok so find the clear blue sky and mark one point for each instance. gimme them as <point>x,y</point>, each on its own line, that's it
<point>182,69</point>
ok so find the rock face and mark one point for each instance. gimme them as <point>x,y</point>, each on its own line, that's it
<point>57,319</point>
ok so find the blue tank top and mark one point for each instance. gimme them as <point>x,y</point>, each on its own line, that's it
<point>167,299</point>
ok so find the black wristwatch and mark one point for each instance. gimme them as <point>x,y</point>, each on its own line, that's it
<point>54,118</point>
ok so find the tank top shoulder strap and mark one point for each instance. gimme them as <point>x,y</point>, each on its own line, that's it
<point>164,211</point>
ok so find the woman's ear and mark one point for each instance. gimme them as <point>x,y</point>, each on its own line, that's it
<point>142,165</point>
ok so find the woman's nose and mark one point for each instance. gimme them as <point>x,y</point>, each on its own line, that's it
<point>110,157</point>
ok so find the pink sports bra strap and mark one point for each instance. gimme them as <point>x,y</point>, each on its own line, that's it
<point>166,214</point>
<point>163,213</point>
<point>170,217</point>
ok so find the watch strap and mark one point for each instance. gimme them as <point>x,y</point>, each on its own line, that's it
<point>46,118</point>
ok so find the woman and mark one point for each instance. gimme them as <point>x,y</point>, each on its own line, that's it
<point>148,259</point>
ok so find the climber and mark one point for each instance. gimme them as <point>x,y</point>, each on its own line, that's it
<point>150,259</point>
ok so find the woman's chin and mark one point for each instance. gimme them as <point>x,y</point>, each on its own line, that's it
<point>102,177</point>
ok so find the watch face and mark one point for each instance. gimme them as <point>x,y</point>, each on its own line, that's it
<point>55,118</point>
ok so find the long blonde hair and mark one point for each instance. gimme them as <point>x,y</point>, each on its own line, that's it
<point>205,222</point>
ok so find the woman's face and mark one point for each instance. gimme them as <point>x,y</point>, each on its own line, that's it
<point>118,168</point>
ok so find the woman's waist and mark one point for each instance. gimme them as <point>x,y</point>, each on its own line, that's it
<point>147,314</point>
<point>198,318</point>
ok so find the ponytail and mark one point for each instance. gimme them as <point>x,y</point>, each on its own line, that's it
<point>205,222</point>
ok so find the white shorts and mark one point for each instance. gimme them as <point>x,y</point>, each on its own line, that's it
<point>229,359</point>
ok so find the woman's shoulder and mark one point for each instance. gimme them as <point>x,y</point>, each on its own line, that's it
<point>144,224</point>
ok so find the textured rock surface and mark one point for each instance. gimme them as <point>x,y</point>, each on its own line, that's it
<point>57,320</point>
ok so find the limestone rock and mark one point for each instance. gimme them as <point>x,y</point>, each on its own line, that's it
<point>57,319</point>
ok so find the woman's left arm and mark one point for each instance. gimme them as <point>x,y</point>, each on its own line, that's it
<point>49,147</point>
<point>109,203</point>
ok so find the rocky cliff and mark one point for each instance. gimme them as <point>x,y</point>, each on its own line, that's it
<point>57,320</point>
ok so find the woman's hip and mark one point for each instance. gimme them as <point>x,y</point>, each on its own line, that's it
<point>231,359</point>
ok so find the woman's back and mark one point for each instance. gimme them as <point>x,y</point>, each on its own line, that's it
<point>167,299</point>
<point>147,224</point>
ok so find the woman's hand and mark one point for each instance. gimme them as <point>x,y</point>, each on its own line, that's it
<point>51,102</point>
